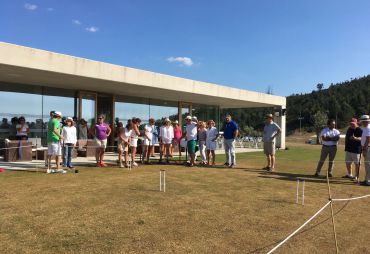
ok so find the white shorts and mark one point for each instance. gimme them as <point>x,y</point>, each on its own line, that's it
<point>210,145</point>
<point>167,142</point>
<point>133,142</point>
<point>54,149</point>
<point>352,157</point>
<point>101,143</point>
<point>147,142</point>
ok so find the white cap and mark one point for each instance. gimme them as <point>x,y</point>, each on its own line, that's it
<point>167,120</point>
<point>58,113</point>
<point>365,118</point>
<point>188,118</point>
<point>194,118</point>
<point>69,119</point>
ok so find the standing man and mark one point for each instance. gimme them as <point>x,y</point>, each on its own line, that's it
<point>365,143</point>
<point>330,137</point>
<point>230,133</point>
<point>54,142</point>
<point>190,134</point>
<point>270,131</point>
<point>353,148</point>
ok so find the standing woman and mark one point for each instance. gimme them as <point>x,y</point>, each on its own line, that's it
<point>148,136</point>
<point>154,139</point>
<point>22,129</point>
<point>212,134</point>
<point>166,139</point>
<point>176,137</point>
<point>69,134</point>
<point>134,138</point>
<point>202,136</point>
<point>101,133</point>
<point>124,138</point>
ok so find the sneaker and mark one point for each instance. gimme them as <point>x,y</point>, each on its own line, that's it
<point>226,164</point>
<point>60,171</point>
<point>121,165</point>
<point>49,171</point>
<point>71,167</point>
<point>317,174</point>
<point>330,175</point>
<point>232,165</point>
<point>364,183</point>
<point>134,164</point>
<point>270,169</point>
<point>348,176</point>
<point>266,168</point>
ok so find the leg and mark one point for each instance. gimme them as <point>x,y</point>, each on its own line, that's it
<point>144,151</point>
<point>49,161</point>
<point>208,154</point>
<point>268,158</point>
<point>133,154</point>
<point>57,161</point>
<point>97,155</point>
<point>349,168</point>
<point>323,155</point>
<point>126,158</point>
<point>69,156</point>
<point>367,166</point>
<point>227,151</point>
<point>332,153</point>
<point>168,151</point>
<point>213,157</point>
<point>273,161</point>
<point>65,155</point>
<point>232,151</point>
<point>102,152</point>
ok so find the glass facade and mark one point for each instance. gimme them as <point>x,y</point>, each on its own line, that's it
<point>206,112</point>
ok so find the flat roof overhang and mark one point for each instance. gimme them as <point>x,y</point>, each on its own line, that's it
<point>30,66</point>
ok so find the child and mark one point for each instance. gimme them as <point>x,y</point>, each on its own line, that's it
<point>69,134</point>
<point>124,138</point>
<point>212,134</point>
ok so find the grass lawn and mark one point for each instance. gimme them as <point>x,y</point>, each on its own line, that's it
<point>205,210</point>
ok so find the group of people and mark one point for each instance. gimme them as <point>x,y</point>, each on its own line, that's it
<point>357,143</point>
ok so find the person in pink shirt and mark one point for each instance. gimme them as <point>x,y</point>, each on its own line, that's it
<point>176,137</point>
<point>101,133</point>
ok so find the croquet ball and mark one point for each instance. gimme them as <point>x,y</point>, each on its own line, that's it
<point>76,170</point>
<point>1,170</point>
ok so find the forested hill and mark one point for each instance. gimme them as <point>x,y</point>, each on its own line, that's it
<point>340,101</point>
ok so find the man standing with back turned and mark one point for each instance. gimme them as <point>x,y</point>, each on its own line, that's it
<point>230,133</point>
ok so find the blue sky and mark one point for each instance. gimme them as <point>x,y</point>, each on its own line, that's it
<point>290,45</point>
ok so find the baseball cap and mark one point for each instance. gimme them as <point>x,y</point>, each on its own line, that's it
<point>58,113</point>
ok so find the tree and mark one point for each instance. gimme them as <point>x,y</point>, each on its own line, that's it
<point>319,120</point>
<point>320,86</point>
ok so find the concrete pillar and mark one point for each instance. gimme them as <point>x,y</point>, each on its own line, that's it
<point>279,118</point>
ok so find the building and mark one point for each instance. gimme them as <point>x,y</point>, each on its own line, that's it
<point>33,82</point>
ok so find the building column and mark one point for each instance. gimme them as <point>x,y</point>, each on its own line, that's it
<point>279,118</point>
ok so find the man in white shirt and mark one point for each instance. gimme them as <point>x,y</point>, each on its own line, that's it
<point>330,137</point>
<point>365,143</point>
<point>190,134</point>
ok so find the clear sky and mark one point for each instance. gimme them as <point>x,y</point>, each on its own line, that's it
<point>290,45</point>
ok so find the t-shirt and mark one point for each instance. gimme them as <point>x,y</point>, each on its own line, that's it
<point>52,136</point>
<point>211,134</point>
<point>202,134</point>
<point>229,129</point>
<point>23,131</point>
<point>149,131</point>
<point>327,132</point>
<point>69,134</point>
<point>365,134</point>
<point>101,131</point>
<point>269,131</point>
<point>191,131</point>
<point>353,146</point>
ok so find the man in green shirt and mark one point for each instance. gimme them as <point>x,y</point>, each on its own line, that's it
<point>54,143</point>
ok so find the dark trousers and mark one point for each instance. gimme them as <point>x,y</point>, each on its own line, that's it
<point>326,151</point>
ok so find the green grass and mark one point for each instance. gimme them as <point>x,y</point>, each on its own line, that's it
<point>205,210</point>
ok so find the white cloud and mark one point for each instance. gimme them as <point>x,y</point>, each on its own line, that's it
<point>92,29</point>
<point>182,60</point>
<point>76,22</point>
<point>30,7</point>
<point>50,9</point>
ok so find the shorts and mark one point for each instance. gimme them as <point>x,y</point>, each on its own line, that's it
<point>122,146</point>
<point>166,142</point>
<point>352,157</point>
<point>101,143</point>
<point>55,149</point>
<point>147,142</point>
<point>210,145</point>
<point>269,148</point>
<point>192,144</point>
<point>133,142</point>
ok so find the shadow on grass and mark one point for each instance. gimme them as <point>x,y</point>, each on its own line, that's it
<point>271,245</point>
<point>308,178</point>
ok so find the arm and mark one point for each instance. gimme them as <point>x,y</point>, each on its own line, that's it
<point>146,134</point>
<point>278,131</point>
<point>109,131</point>
<point>136,130</point>
<point>366,145</point>
<point>236,133</point>
<point>55,130</point>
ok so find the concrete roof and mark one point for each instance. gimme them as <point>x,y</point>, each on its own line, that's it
<point>19,64</point>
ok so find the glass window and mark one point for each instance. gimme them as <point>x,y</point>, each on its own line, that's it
<point>206,112</point>
<point>128,107</point>
<point>16,104</point>
<point>160,110</point>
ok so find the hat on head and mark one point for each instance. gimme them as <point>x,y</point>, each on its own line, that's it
<point>70,119</point>
<point>365,118</point>
<point>58,113</point>
<point>194,118</point>
<point>188,118</point>
<point>167,120</point>
<point>268,116</point>
<point>176,122</point>
<point>353,121</point>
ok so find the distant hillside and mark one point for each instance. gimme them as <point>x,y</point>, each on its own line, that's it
<point>340,101</point>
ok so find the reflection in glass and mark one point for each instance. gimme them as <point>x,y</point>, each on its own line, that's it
<point>206,112</point>
<point>88,110</point>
